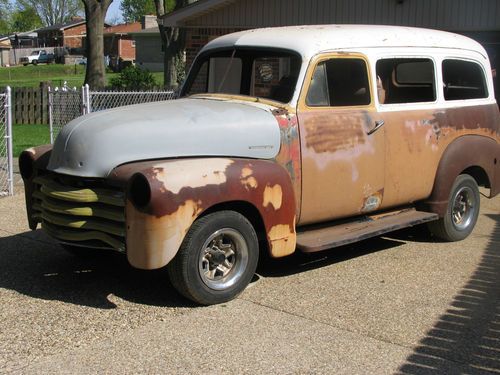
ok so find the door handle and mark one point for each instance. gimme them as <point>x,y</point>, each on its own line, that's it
<point>378,125</point>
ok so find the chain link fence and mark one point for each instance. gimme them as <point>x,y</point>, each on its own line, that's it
<point>6,162</point>
<point>66,104</point>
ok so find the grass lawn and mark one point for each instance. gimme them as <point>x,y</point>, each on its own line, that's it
<point>26,136</point>
<point>31,75</point>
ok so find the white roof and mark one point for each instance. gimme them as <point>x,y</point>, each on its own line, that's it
<point>310,40</point>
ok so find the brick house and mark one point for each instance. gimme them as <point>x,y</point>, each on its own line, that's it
<point>70,35</point>
<point>206,19</point>
<point>119,44</point>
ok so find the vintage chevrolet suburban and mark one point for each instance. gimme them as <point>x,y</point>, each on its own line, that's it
<point>292,138</point>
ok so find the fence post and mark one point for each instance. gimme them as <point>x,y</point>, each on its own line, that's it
<point>10,155</point>
<point>86,100</point>
<point>51,116</point>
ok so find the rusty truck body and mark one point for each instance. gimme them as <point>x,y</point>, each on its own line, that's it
<point>283,139</point>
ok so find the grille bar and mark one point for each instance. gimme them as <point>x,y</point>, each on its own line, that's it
<point>61,207</point>
<point>80,236</point>
<point>56,190</point>
<point>79,210</point>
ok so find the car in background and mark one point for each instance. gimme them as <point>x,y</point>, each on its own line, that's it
<point>37,57</point>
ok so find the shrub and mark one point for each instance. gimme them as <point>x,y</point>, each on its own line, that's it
<point>134,78</point>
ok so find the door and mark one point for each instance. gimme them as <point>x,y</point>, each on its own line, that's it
<point>342,140</point>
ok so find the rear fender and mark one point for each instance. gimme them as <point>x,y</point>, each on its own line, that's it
<point>463,153</point>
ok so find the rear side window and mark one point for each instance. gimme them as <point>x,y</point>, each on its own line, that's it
<point>406,80</point>
<point>339,82</point>
<point>463,80</point>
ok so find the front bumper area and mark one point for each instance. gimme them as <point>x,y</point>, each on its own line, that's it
<point>79,211</point>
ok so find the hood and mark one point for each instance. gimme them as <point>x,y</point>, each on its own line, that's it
<point>93,145</point>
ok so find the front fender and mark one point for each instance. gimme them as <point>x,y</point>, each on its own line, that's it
<point>31,162</point>
<point>463,153</point>
<point>179,191</point>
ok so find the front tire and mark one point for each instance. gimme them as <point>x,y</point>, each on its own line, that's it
<point>462,211</point>
<point>217,258</point>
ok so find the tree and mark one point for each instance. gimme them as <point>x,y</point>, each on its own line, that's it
<point>133,10</point>
<point>52,12</point>
<point>173,40</point>
<point>5,14</point>
<point>25,20</point>
<point>95,14</point>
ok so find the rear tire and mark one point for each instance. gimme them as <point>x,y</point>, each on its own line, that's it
<point>462,211</point>
<point>35,62</point>
<point>217,258</point>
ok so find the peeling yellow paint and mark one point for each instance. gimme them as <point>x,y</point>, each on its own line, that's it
<point>246,172</point>
<point>153,242</point>
<point>282,240</point>
<point>192,173</point>
<point>247,179</point>
<point>273,195</point>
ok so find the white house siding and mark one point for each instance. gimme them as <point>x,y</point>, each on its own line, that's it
<point>452,15</point>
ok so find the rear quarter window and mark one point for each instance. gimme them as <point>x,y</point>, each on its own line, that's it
<point>463,80</point>
<point>406,80</point>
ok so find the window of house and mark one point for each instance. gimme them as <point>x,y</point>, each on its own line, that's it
<point>406,80</point>
<point>463,80</point>
<point>339,82</point>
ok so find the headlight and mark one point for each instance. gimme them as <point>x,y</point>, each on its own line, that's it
<point>139,191</point>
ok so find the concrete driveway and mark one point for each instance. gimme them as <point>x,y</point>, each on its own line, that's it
<point>397,304</point>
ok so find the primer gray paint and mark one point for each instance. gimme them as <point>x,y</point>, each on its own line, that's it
<point>92,145</point>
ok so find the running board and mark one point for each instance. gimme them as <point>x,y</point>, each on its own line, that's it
<point>318,239</point>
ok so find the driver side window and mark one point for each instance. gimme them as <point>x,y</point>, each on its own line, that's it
<point>339,82</point>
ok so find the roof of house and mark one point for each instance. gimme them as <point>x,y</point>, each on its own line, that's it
<point>196,9</point>
<point>146,32</point>
<point>310,40</point>
<point>62,26</point>
<point>5,43</point>
<point>123,28</point>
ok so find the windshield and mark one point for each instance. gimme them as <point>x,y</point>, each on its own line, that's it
<point>34,53</point>
<point>265,73</point>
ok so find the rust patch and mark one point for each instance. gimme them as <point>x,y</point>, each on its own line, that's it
<point>279,111</point>
<point>331,133</point>
<point>372,201</point>
<point>289,156</point>
<point>273,196</point>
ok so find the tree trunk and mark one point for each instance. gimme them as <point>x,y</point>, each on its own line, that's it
<point>170,41</point>
<point>95,13</point>
<point>173,41</point>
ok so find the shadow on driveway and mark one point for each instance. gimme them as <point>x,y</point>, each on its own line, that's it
<point>302,262</point>
<point>469,331</point>
<point>34,265</point>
